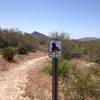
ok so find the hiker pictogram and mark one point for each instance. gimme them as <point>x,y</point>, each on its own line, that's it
<point>55,48</point>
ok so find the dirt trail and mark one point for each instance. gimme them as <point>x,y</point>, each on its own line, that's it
<point>13,82</point>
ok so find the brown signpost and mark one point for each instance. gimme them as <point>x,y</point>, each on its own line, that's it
<point>54,53</point>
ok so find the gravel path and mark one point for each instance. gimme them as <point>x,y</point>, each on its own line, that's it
<point>14,81</point>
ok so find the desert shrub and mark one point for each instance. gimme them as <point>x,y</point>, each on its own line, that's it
<point>8,53</point>
<point>76,83</point>
<point>67,55</point>
<point>85,83</point>
<point>82,86</point>
<point>63,69</point>
<point>31,48</point>
<point>22,50</point>
<point>16,38</point>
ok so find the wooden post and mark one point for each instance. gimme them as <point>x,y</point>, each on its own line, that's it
<point>54,79</point>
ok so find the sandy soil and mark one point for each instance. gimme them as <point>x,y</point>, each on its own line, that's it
<point>13,82</point>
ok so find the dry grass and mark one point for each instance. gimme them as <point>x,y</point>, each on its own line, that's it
<point>39,86</point>
<point>81,63</point>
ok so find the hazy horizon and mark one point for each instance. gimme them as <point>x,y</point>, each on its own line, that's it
<point>79,18</point>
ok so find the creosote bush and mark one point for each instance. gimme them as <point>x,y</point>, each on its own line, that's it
<point>22,50</point>
<point>8,53</point>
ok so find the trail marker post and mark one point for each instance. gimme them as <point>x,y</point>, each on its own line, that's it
<point>54,53</point>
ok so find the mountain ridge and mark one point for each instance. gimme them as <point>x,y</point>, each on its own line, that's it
<point>39,35</point>
<point>88,39</point>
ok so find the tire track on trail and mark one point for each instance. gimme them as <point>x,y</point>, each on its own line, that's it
<point>14,81</point>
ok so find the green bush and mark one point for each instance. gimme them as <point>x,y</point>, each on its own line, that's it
<point>83,84</point>
<point>67,55</point>
<point>22,50</point>
<point>63,69</point>
<point>8,53</point>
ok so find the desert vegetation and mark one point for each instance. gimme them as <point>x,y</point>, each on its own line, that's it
<point>16,38</point>
<point>14,41</point>
<point>15,45</point>
<point>8,53</point>
<point>89,50</point>
<point>77,81</point>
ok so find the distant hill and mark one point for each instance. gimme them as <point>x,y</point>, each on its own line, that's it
<point>88,39</point>
<point>39,35</point>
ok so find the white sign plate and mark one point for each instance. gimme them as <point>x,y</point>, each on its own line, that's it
<point>54,48</point>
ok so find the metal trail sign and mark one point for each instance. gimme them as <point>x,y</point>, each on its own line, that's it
<point>54,53</point>
<point>54,48</point>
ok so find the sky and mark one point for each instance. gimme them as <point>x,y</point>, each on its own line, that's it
<point>78,18</point>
